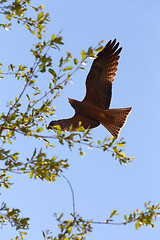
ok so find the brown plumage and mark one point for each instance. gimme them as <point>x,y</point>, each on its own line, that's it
<point>94,109</point>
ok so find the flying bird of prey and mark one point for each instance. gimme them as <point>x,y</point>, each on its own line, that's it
<point>94,109</point>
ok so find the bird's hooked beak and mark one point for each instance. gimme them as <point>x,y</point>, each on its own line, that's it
<point>69,99</point>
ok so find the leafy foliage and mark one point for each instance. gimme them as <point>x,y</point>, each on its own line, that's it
<point>73,228</point>
<point>140,218</point>
<point>26,116</point>
<point>12,216</point>
<point>78,228</point>
<point>19,10</point>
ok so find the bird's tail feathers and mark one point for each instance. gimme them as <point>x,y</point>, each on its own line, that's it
<point>120,117</point>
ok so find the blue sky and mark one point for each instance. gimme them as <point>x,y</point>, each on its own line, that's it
<point>100,184</point>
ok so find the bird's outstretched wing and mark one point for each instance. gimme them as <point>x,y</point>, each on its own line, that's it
<point>74,121</point>
<point>100,78</point>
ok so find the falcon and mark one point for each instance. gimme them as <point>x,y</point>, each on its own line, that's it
<point>94,110</point>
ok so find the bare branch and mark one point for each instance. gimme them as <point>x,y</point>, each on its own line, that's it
<point>73,199</point>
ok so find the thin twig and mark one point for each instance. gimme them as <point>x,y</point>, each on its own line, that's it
<point>111,223</point>
<point>73,199</point>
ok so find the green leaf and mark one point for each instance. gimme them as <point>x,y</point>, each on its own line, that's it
<point>28,27</point>
<point>8,17</point>
<point>40,129</point>
<point>61,62</point>
<point>58,40</point>
<point>82,153</point>
<point>70,128</point>
<point>82,68</point>
<point>137,225</point>
<point>99,49</point>
<point>75,61</point>
<point>53,37</point>
<point>40,16</point>
<point>83,54</point>
<point>52,72</point>
<point>43,234</point>
<point>28,97</point>
<point>120,144</point>
<point>67,68</point>
<point>113,213</point>
<point>9,141</point>
<point>33,32</point>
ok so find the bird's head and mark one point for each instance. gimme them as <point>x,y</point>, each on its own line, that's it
<point>52,124</point>
<point>61,123</point>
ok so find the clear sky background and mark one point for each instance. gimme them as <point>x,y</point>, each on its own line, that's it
<point>100,184</point>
